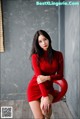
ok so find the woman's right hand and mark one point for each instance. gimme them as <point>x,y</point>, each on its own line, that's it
<point>46,102</point>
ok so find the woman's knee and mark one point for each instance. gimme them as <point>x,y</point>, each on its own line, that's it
<point>47,114</point>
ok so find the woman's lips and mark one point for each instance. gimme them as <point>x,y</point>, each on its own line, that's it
<point>45,45</point>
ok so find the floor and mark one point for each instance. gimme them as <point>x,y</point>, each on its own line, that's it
<point>21,109</point>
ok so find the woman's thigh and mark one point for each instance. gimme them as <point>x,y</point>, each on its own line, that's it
<point>35,107</point>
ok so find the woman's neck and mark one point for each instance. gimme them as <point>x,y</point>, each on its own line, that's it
<point>45,52</point>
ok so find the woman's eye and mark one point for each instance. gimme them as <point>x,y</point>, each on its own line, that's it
<point>45,39</point>
<point>40,41</point>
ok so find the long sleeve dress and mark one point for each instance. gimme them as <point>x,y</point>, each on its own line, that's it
<point>41,66</point>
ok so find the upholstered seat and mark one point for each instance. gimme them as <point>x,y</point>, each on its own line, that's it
<point>63,89</point>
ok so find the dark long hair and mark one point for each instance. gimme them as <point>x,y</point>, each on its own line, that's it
<point>36,49</point>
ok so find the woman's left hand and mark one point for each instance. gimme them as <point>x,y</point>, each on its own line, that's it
<point>42,78</point>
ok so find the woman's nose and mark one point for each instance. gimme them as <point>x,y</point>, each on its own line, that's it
<point>43,42</point>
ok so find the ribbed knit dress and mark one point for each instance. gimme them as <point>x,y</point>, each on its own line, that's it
<point>41,66</point>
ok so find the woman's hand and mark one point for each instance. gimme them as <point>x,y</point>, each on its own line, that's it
<point>42,78</point>
<point>46,102</point>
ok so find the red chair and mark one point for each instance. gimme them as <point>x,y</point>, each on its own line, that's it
<point>58,95</point>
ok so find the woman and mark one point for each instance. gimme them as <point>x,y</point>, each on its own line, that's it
<point>47,65</point>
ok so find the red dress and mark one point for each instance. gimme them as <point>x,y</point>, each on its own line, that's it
<point>43,67</point>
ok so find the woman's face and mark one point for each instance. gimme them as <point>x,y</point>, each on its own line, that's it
<point>43,42</point>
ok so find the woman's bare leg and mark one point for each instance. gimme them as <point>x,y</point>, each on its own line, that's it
<point>35,107</point>
<point>49,113</point>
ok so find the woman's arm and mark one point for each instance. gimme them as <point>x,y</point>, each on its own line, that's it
<point>37,71</point>
<point>42,78</point>
<point>35,65</point>
<point>59,73</point>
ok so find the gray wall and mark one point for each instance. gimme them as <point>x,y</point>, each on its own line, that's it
<point>72,58</point>
<point>21,20</point>
<point>61,33</point>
